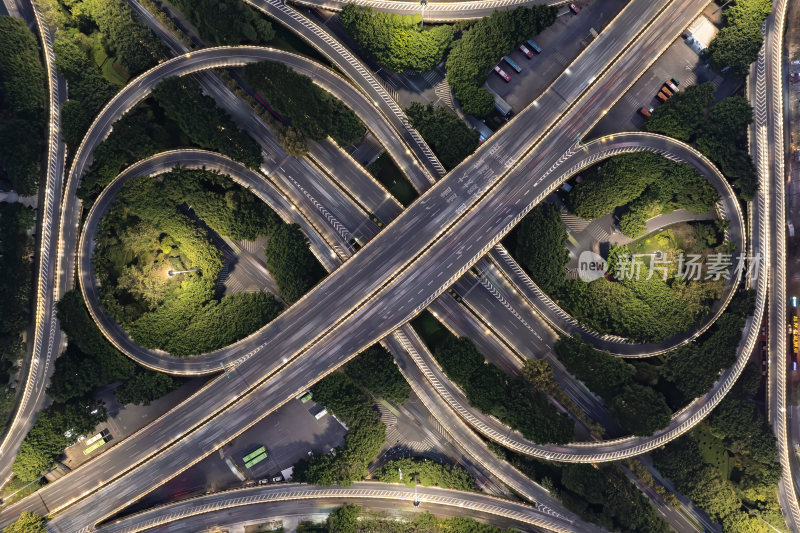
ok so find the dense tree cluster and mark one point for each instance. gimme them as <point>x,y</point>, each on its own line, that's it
<point>449,136</point>
<point>693,369</point>
<point>23,98</point>
<point>89,361</point>
<point>56,427</point>
<point>597,493</point>
<point>26,523</point>
<point>349,519</point>
<point>148,231</point>
<point>472,56</point>
<point>99,42</point>
<point>641,181</point>
<point>736,433</point>
<point>291,262</point>
<point>539,373</point>
<point>126,36</point>
<point>313,112</point>
<point>427,473</point>
<point>144,387</point>
<point>720,133</point>
<point>205,124</point>
<point>136,136</point>
<point>642,309</point>
<point>88,89</point>
<point>489,389</point>
<point>636,407</point>
<point>365,434</point>
<point>226,22</point>
<point>221,204</point>
<point>375,372</point>
<point>737,44</point>
<point>541,246</point>
<point>15,291</point>
<point>397,41</point>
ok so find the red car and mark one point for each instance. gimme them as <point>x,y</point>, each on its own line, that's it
<point>524,50</point>
<point>502,73</point>
<point>763,333</point>
<point>644,111</point>
<point>575,9</point>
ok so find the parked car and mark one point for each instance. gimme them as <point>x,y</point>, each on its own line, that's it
<point>666,91</point>
<point>661,96</point>
<point>277,479</point>
<point>575,9</point>
<point>524,50</point>
<point>646,112</point>
<point>502,73</point>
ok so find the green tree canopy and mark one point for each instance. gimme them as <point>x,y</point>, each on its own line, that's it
<point>427,473</point>
<point>23,98</point>
<point>472,56</point>
<point>450,138</point>
<point>291,262</point>
<point>26,523</point>
<point>227,22</point>
<point>737,44</point>
<point>313,112</point>
<point>375,372</point>
<point>397,41</point>
<point>541,246</point>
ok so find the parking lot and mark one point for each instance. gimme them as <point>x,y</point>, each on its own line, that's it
<point>561,43</point>
<point>288,435</point>
<point>679,61</point>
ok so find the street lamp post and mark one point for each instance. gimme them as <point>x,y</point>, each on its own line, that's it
<point>416,502</point>
<point>423,3</point>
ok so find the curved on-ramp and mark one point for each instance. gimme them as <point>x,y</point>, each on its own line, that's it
<point>434,11</point>
<point>206,363</point>
<point>728,208</point>
<point>459,503</point>
<point>487,426</point>
<point>356,315</point>
<point>47,338</point>
<point>262,187</point>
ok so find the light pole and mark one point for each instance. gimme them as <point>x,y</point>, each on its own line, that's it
<point>423,3</point>
<point>416,502</point>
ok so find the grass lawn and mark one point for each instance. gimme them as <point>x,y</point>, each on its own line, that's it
<point>713,451</point>
<point>114,72</point>
<point>387,173</point>
<point>655,242</point>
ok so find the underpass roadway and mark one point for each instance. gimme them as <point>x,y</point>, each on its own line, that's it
<point>47,337</point>
<point>355,335</point>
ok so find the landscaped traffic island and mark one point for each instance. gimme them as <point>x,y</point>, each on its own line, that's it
<point>159,256</point>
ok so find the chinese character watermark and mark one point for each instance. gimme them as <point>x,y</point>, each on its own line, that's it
<point>686,267</point>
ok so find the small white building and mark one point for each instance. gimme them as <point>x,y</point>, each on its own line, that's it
<point>700,33</point>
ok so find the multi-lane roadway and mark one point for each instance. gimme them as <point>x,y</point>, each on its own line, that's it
<point>483,208</point>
